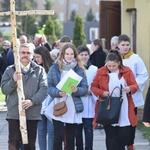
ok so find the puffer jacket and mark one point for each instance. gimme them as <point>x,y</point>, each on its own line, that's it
<point>54,76</point>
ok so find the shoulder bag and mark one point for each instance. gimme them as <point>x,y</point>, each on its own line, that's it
<point>60,108</point>
<point>109,108</point>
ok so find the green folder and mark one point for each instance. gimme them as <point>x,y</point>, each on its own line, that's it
<point>69,82</point>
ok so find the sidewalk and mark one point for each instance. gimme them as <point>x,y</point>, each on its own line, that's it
<point>99,136</point>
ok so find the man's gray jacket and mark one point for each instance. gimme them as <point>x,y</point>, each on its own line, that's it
<point>35,89</point>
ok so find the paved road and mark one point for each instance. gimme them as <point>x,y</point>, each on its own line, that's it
<point>99,137</point>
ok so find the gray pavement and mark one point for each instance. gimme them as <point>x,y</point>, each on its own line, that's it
<point>99,136</point>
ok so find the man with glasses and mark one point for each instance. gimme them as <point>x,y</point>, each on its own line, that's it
<point>35,90</point>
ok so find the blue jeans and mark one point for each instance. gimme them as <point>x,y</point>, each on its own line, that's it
<point>88,130</point>
<point>21,145</point>
<point>45,134</point>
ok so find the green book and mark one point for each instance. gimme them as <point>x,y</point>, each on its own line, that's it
<point>70,79</point>
<point>69,82</point>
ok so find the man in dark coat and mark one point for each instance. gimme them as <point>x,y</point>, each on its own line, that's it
<point>3,57</point>
<point>98,56</point>
<point>5,45</point>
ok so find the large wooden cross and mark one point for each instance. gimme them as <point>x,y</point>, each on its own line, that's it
<point>12,13</point>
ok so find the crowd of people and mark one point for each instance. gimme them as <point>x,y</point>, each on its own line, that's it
<point>43,67</point>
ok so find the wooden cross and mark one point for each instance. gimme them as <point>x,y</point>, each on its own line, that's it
<point>12,13</point>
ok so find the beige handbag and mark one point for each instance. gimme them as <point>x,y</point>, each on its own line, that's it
<point>60,108</point>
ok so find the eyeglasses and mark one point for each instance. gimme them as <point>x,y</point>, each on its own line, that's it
<point>23,52</point>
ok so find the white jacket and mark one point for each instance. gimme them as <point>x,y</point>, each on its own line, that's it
<point>137,65</point>
<point>89,100</point>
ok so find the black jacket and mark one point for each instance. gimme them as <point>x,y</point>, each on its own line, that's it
<point>98,57</point>
<point>4,60</point>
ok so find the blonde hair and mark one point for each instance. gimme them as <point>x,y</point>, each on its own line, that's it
<point>62,53</point>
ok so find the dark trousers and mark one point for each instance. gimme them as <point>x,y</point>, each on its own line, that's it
<point>133,130</point>
<point>117,137</point>
<point>88,130</point>
<point>15,135</point>
<point>59,135</point>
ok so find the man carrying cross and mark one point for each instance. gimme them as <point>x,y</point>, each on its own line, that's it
<point>20,89</point>
<point>35,91</point>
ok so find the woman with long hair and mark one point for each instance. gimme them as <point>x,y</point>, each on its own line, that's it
<point>68,59</point>
<point>45,126</point>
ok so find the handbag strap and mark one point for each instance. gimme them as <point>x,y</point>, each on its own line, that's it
<point>110,96</point>
<point>64,100</point>
<point>120,88</point>
<point>108,107</point>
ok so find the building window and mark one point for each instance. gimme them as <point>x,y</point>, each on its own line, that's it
<point>97,2</point>
<point>87,2</point>
<point>61,2</point>
<point>93,33</point>
<point>61,16</point>
<point>74,6</point>
<point>97,16</point>
<point>44,2</point>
